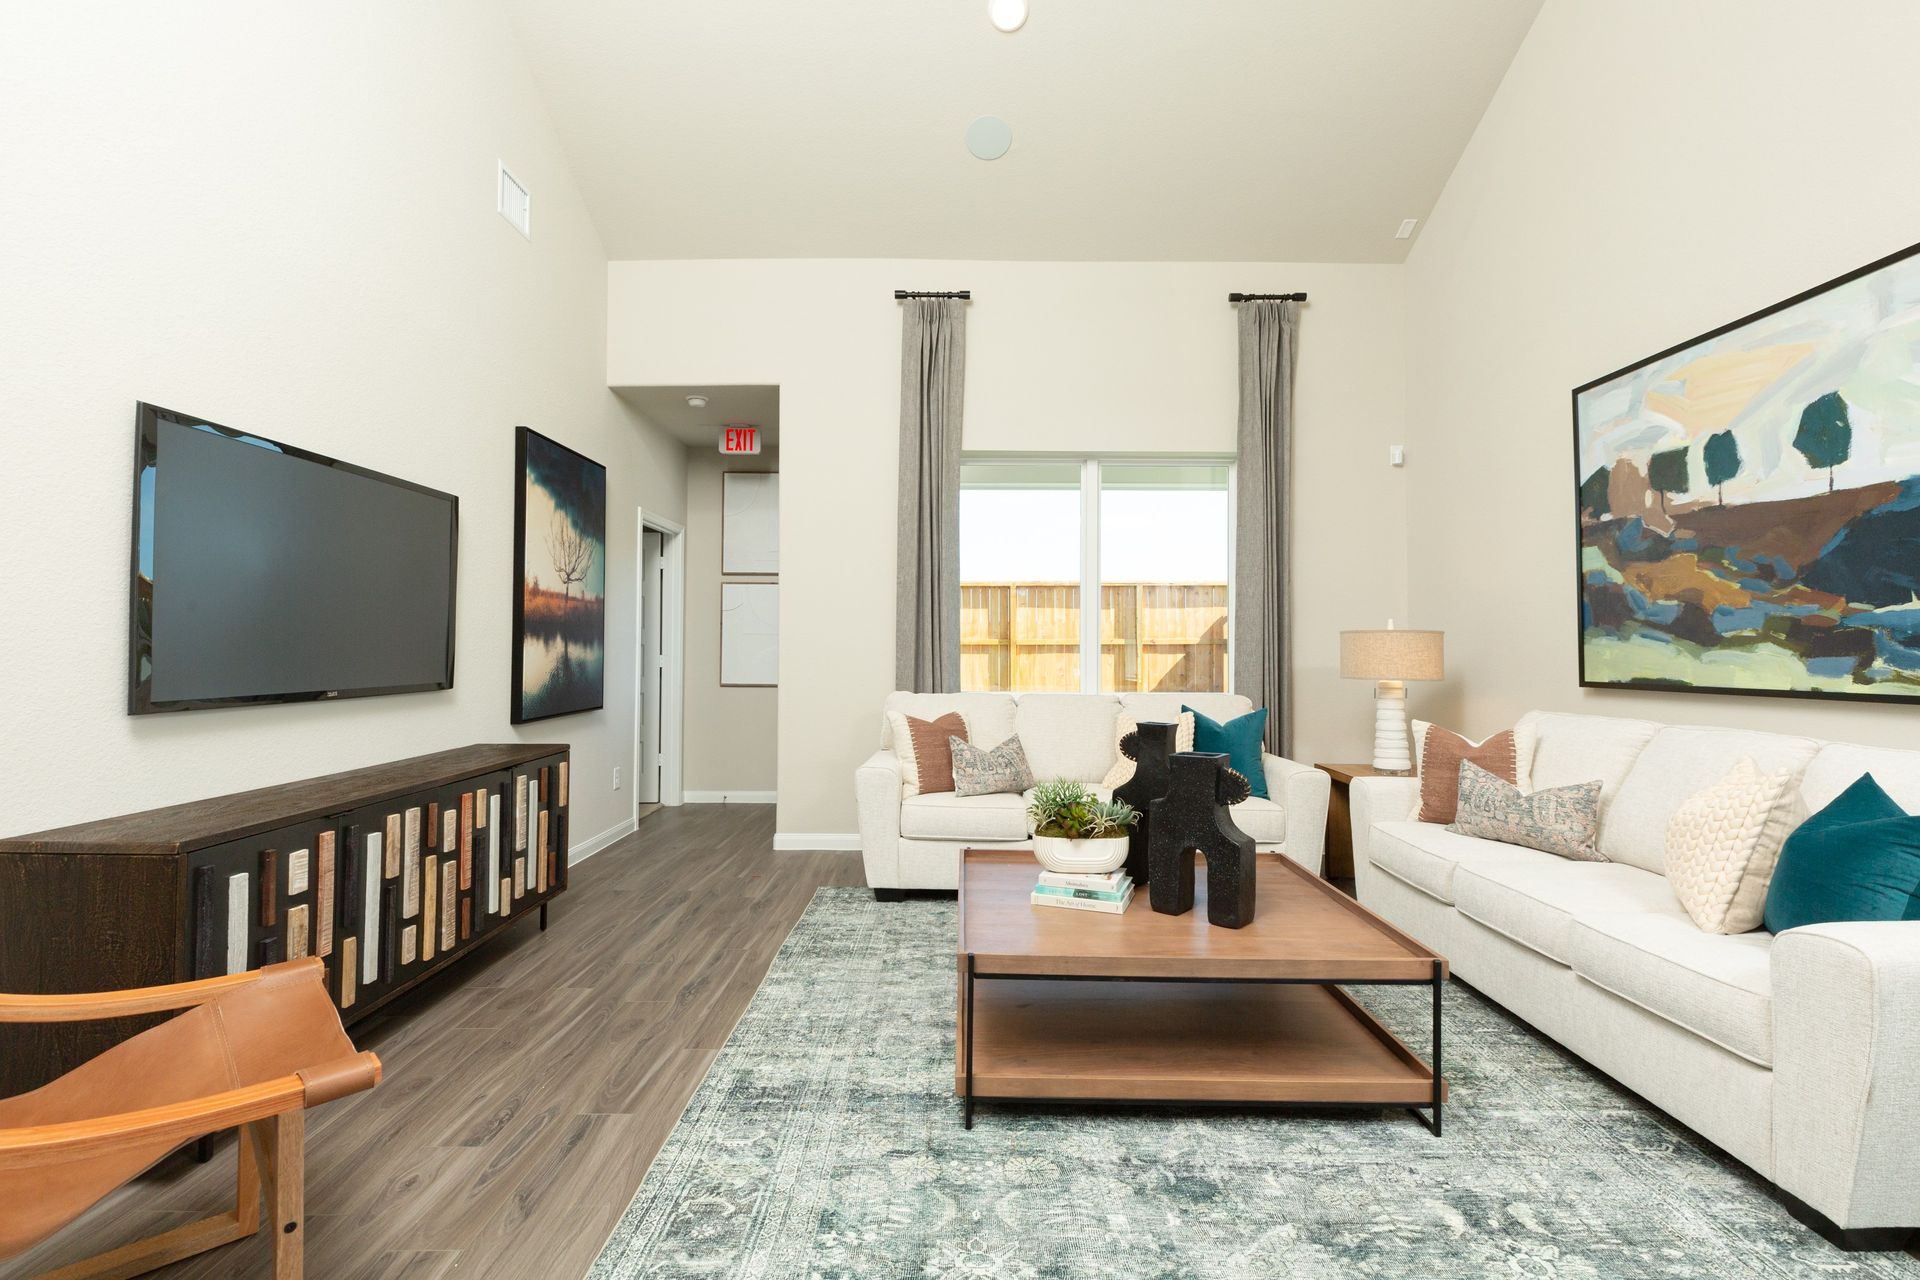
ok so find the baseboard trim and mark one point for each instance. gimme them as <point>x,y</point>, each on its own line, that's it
<point>728,797</point>
<point>815,841</point>
<point>594,844</point>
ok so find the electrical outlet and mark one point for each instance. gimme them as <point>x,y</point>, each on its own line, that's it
<point>616,777</point>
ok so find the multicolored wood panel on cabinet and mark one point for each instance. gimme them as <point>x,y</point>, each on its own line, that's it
<point>331,867</point>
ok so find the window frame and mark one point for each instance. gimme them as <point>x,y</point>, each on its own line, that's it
<point>1090,584</point>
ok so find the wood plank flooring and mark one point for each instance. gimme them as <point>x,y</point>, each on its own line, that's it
<point>527,1091</point>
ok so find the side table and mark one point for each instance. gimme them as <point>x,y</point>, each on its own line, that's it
<point>1339,864</point>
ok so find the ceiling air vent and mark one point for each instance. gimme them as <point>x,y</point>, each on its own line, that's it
<point>516,206</point>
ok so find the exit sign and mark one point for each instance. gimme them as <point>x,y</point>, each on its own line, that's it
<point>738,437</point>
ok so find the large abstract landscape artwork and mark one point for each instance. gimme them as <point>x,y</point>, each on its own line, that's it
<point>1749,503</point>
<point>560,580</point>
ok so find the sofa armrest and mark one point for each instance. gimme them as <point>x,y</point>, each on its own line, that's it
<point>876,795</point>
<point>1302,792</point>
<point>1846,1065</point>
<point>1371,800</point>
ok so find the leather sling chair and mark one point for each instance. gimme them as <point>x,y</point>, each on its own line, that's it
<point>252,1052</point>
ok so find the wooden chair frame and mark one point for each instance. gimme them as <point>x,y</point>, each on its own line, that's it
<point>272,1147</point>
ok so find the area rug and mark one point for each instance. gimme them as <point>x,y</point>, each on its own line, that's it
<point>826,1142</point>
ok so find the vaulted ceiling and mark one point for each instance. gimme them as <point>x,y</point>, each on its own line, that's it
<point>1288,130</point>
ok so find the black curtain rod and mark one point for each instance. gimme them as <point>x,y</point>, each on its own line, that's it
<point>965,295</point>
<point>1266,297</point>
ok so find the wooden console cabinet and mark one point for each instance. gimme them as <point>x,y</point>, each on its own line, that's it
<point>389,874</point>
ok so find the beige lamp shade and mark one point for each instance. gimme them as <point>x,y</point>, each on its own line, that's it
<point>1392,655</point>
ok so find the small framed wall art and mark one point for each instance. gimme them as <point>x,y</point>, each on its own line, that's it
<point>749,634</point>
<point>559,580</point>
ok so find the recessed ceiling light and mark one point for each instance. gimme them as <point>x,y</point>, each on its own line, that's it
<point>696,402</point>
<point>1007,15</point>
<point>989,137</point>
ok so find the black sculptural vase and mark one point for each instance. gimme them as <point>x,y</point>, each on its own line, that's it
<point>1150,747</point>
<point>1191,819</point>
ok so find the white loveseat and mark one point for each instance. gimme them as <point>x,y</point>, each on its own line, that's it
<point>1798,1054</point>
<point>915,842</point>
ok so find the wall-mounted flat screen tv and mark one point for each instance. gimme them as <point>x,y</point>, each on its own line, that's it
<point>266,573</point>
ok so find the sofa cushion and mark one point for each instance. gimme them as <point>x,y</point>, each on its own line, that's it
<point>1166,706</point>
<point>1067,735</point>
<point>946,816</point>
<point>1262,818</point>
<point>1678,763</point>
<point>1535,903</point>
<point>1723,842</point>
<point>989,716</point>
<point>1239,740</point>
<point>1717,986</point>
<point>1438,754</point>
<point>1558,820</point>
<point>1425,855</point>
<point>1563,749</point>
<point>1838,765</point>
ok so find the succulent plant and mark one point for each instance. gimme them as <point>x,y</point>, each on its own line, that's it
<point>1071,811</point>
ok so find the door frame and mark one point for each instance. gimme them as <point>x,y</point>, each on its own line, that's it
<point>673,652</point>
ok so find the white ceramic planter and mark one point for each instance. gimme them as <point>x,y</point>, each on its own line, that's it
<point>1080,857</point>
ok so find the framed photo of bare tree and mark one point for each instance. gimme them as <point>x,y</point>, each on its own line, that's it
<point>559,580</point>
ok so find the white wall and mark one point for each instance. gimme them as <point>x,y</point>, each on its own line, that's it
<point>1083,357</point>
<point>1648,171</point>
<point>731,733</point>
<point>280,216</point>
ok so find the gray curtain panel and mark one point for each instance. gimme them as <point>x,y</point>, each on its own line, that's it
<point>1262,661</point>
<point>933,372</point>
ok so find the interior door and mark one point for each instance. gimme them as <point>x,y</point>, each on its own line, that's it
<point>652,674</point>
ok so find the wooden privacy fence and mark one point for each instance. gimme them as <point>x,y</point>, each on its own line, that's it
<point>1154,636</point>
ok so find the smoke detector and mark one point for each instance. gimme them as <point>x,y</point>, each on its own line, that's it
<point>696,402</point>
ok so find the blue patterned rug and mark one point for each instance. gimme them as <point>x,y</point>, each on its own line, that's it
<point>826,1143</point>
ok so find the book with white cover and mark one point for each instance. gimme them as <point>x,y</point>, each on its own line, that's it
<point>1111,880</point>
<point>1081,904</point>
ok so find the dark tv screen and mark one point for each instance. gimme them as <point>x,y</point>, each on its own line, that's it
<point>265,573</point>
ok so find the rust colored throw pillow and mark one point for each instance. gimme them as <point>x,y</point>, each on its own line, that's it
<point>926,761</point>
<point>1441,752</point>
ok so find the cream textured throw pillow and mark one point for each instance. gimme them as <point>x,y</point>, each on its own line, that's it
<point>1722,844</point>
<point>1122,770</point>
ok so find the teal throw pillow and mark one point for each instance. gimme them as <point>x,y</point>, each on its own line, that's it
<point>1239,739</point>
<point>1856,859</point>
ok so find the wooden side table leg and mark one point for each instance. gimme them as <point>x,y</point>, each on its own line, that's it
<point>967,1038</point>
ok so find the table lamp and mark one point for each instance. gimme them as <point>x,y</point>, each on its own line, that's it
<point>1391,657</point>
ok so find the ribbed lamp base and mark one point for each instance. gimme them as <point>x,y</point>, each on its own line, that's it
<point>1391,753</point>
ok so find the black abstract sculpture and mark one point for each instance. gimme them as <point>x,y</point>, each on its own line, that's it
<point>1192,818</point>
<point>1150,747</point>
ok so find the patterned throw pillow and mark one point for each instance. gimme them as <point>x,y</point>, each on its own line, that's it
<point>1122,771</point>
<point>926,761</point>
<point>1440,753</point>
<point>1722,844</point>
<point>977,772</point>
<point>1560,820</point>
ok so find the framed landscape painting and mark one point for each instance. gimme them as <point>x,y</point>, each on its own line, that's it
<point>1749,502</point>
<point>559,580</point>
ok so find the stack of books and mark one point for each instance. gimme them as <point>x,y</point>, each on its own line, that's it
<point>1110,892</point>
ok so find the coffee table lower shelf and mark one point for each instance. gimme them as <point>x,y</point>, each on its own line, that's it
<point>1051,1039</point>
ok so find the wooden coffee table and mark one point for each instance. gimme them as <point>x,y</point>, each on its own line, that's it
<point>1058,1005</point>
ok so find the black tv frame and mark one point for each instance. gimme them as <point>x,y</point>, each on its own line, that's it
<point>140,700</point>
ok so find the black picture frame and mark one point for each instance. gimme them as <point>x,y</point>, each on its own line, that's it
<point>1580,507</point>
<point>146,444</point>
<point>584,485</point>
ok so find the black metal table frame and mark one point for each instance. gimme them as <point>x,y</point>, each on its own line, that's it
<point>1437,981</point>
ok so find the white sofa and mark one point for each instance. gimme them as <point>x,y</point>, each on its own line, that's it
<point>1799,1055</point>
<point>915,842</point>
